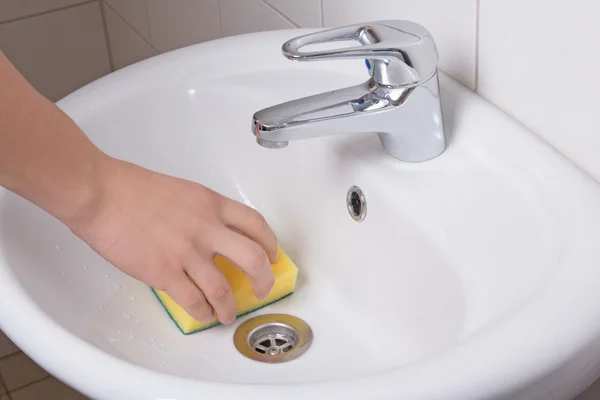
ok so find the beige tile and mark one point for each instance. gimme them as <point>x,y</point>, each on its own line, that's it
<point>134,12</point>
<point>11,9</point>
<point>2,388</point>
<point>48,389</point>
<point>179,23</point>
<point>305,13</point>
<point>453,25</point>
<point>19,370</point>
<point>6,346</point>
<point>126,45</point>
<point>245,16</point>
<point>591,393</point>
<point>4,397</point>
<point>60,51</point>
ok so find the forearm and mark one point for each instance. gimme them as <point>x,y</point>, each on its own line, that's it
<point>44,156</point>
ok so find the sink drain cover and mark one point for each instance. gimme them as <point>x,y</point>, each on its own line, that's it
<point>273,338</point>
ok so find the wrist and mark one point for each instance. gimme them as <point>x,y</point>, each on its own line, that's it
<point>89,199</point>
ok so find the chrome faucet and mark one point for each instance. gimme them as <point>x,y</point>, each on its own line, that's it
<point>400,101</point>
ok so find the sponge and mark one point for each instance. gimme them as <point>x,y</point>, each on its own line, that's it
<point>285,272</point>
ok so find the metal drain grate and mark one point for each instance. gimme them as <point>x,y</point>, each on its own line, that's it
<point>273,338</point>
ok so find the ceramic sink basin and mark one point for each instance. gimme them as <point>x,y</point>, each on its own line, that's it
<point>474,275</point>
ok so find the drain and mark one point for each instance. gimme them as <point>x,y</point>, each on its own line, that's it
<point>273,338</point>
<point>356,203</point>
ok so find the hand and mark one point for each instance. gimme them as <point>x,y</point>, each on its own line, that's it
<point>160,230</point>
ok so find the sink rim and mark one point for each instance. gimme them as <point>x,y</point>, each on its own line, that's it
<point>434,375</point>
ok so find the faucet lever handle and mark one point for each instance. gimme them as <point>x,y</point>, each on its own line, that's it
<point>400,53</point>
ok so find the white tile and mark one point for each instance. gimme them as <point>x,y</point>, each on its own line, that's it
<point>134,12</point>
<point>305,13</point>
<point>246,16</point>
<point>126,45</point>
<point>19,370</point>
<point>60,51</point>
<point>50,389</point>
<point>539,61</point>
<point>11,9</point>
<point>451,23</point>
<point>179,23</point>
<point>6,346</point>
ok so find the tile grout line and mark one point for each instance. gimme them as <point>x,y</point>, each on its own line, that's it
<point>282,15</point>
<point>31,384</point>
<point>3,384</point>
<point>220,17</point>
<point>151,43</point>
<point>8,21</point>
<point>477,10</point>
<point>322,16</point>
<point>105,27</point>
<point>9,355</point>
<point>130,26</point>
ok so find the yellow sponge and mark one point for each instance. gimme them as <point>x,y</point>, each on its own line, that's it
<point>285,272</point>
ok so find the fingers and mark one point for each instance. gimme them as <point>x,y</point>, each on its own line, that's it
<point>187,295</point>
<point>248,256</point>
<point>251,223</point>
<point>215,286</point>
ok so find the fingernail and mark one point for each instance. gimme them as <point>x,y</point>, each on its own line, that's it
<point>228,321</point>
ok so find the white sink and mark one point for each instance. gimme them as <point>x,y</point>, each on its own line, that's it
<point>474,275</point>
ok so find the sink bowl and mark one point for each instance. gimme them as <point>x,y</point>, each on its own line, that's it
<point>473,276</point>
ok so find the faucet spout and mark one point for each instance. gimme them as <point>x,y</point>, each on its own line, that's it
<point>407,116</point>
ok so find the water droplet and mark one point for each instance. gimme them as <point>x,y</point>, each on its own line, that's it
<point>106,276</point>
<point>161,345</point>
<point>70,282</point>
<point>116,287</point>
<point>162,363</point>
<point>126,316</point>
<point>136,322</point>
<point>133,312</point>
<point>86,267</point>
<point>57,247</point>
<point>151,340</point>
<point>118,332</point>
<point>112,340</point>
<point>62,273</point>
<point>130,337</point>
<point>87,302</point>
<point>132,297</point>
<point>101,307</point>
<point>108,309</point>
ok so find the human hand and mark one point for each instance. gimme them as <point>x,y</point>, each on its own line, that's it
<point>160,230</point>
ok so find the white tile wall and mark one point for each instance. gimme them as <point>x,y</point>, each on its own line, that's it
<point>179,23</point>
<point>244,16</point>
<point>452,24</point>
<point>539,61</point>
<point>305,13</point>
<point>59,51</point>
<point>134,13</point>
<point>13,9</point>
<point>126,45</point>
